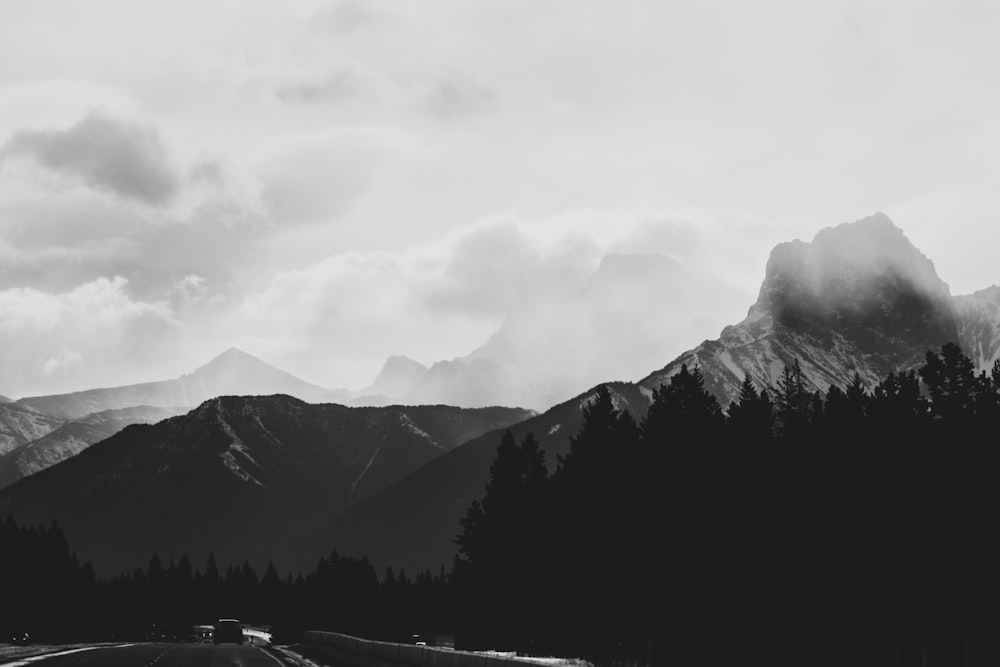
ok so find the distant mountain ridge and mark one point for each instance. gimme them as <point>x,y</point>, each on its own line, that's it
<point>20,425</point>
<point>633,311</point>
<point>233,372</point>
<point>237,476</point>
<point>73,437</point>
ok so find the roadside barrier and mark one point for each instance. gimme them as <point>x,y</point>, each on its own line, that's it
<point>390,654</point>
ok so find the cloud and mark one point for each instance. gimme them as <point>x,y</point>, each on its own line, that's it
<point>101,303</point>
<point>445,297</point>
<point>72,210</point>
<point>192,287</point>
<point>337,86</point>
<point>93,334</point>
<point>105,153</point>
<point>65,361</point>
<point>57,241</point>
<point>347,17</point>
<point>459,96</point>
<point>501,263</point>
<point>316,177</point>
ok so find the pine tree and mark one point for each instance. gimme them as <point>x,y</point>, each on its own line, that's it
<point>792,399</point>
<point>751,416</point>
<point>605,428</point>
<point>951,382</point>
<point>682,408</point>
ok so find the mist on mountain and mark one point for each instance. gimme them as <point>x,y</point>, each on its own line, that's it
<point>233,372</point>
<point>634,311</point>
<point>859,298</point>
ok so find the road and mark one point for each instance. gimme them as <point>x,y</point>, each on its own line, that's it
<point>165,655</point>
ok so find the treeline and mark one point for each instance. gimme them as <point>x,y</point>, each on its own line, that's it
<point>856,527</point>
<point>46,592</point>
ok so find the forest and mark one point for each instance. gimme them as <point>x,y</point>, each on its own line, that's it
<point>852,526</point>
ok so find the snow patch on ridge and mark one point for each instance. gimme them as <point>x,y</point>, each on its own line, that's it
<point>354,484</point>
<point>236,446</point>
<point>408,424</point>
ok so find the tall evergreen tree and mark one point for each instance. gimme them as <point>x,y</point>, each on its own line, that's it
<point>792,399</point>
<point>950,380</point>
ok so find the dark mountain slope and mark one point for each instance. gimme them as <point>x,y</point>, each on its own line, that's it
<point>231,373</point>
<point>238,476</point>
<point>411,524</point>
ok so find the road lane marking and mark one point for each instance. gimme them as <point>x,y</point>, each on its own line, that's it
<point>294,658</point>
<point>45,656</point>
<point>268,654</point>
<point>157,658</point>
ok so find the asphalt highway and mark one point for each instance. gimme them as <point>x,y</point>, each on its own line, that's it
<point>165,655</point>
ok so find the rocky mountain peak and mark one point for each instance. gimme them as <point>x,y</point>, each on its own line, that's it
<point>845,262</point>
<point>398,376</point>
<point>859,298</point>
<point>232,357</point>
<point>863,276</point>
<point>616,266</point>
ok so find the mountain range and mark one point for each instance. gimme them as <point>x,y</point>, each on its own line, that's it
<point>245,476</point>
<point>232,372</point>
<point>70,438</point>
<point>20,425</point>
<point>859,298</point>
<point>237,476</point>
<point>39,431</point>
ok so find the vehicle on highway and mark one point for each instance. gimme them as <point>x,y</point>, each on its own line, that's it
<point>20,638</point>
<point>227,630</point>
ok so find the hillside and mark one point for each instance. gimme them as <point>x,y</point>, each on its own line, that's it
<point>237,476</point>
<point>411,524</point>
<point>73,437</point>
<point>19,425</point>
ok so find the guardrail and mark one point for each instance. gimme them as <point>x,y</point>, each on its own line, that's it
<point>410,654</point>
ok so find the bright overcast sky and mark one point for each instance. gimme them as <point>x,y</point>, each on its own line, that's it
<point>326,183</point>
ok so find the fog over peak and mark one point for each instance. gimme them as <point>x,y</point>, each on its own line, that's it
<point>844,265</point>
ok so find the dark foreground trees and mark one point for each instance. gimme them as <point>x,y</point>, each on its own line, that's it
<point>47,593</point>
<point>858,526</point>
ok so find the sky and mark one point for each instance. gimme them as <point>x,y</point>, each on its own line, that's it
<point>324,184</point>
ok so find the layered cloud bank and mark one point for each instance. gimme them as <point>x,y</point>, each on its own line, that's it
<point>330,182</point>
